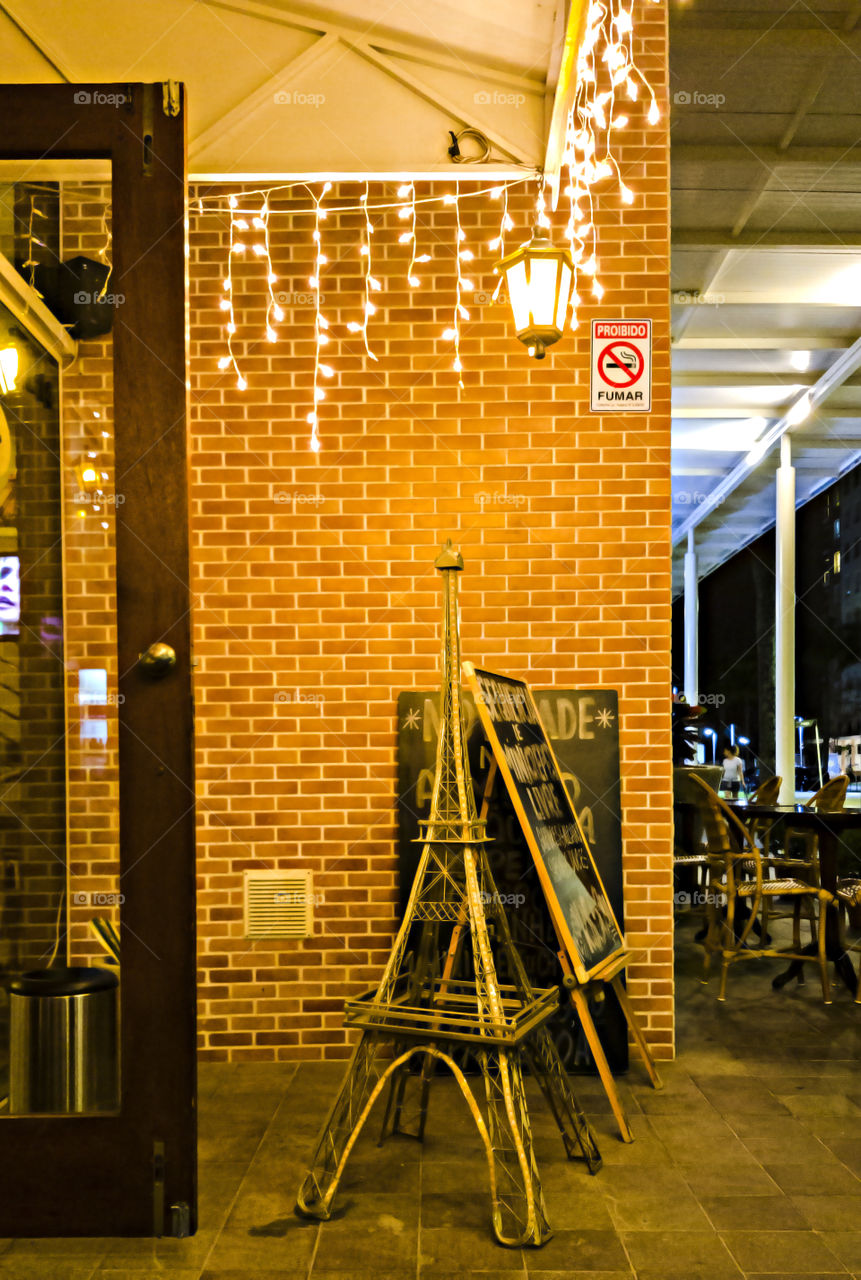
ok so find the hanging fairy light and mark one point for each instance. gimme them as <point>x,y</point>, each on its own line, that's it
<point>506,223</point>
<point>576,230</point>
<point>257,245</point>
<point>407,213</point>
<point>236,247</point>
<point>372,284</point>
<point>462,285</point>
<point>105,252</point>
<point>321,324</point>
<point>541,218</point>
<point>606,66</point>
<point>274,312</point>
<point>32,262</point>
<point>607,71</point>
<point>622,63</point>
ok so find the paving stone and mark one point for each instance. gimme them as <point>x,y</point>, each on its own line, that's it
<point>228,1144</point>
<point>458,1275</point>
<point>574,1275</point>
<point>578,1251</point>
<point>826,1177</point>
<point>742,1095</point>
<point>241,1273</point>
<point>740,1213</point>
<point>846,1245</point>
<point>151,1255</point>
<point>692,1271</point>
<point>290,1249</point>
<point>124,1273</point>
<point>464,1250</point>
<point>830,1212</point>
<point>680,1212</point>
<point>570,1212</point>
<point>454,1208</point>
<point>378,1232</point>
<point>796,1275</point>
<point>780,1251</point>
<point>848,1152</point>
<point>35,1268</point>
<point>66,1247</point>
<point>685,1253</point>
<point>821,1104</point>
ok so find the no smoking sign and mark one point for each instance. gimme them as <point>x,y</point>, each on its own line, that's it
<point>621,366</point>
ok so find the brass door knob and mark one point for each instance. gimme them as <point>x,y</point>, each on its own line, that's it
<point>158,659</point>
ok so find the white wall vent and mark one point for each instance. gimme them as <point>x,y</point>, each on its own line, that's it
<point>278,904</point>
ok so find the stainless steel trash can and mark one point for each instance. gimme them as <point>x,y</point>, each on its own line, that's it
<point>63,1032</point>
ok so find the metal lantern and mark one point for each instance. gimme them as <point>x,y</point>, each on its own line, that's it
<point>538,278</point>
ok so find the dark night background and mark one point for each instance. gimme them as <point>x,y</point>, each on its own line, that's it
<point>736,630</point>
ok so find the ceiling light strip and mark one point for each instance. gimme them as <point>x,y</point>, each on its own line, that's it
<point>833,377</point>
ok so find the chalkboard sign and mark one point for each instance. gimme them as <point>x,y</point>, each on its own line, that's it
<point>578,902</point>
<point>583,727</point>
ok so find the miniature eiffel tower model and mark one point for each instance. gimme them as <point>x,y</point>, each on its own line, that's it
<point>421,1009</point>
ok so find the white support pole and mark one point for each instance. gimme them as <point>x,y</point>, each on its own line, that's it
<point>784,619</point>
<point>691,624</point>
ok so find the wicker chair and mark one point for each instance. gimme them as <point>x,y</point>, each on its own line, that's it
<point>735,874</point>
<point>766,793</point>
<point>799,856</point>
<point>828,799</point>
<point>849,899</point>
<point>690,864</point>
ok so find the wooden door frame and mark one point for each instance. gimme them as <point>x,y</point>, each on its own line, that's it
<point>123,1175</point>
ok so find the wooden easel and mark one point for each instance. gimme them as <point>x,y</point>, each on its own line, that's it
<point>580,1000</point>
<point>611,974</point>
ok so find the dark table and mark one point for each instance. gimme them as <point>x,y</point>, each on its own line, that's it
<point>828,827</point>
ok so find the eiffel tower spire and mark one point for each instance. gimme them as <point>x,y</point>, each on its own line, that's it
<point>421,1007</point>
<point>452,811</point>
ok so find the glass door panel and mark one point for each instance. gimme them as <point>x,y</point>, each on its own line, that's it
<point>60,897</point>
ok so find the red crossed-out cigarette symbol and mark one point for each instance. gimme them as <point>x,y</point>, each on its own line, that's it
<point>620,365</point>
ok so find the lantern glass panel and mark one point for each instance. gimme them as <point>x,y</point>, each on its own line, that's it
<point>564,290</point>
<point>542,291</point>
<point>8,369</point>
<point>518,292</point>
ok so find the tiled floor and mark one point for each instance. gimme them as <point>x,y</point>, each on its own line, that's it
<point>747,1164</point>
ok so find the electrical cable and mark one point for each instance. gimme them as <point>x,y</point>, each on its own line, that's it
<point>457,157</point>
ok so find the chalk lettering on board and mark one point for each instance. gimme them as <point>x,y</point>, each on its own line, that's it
<point>569,877</point>
<point>561,722</point>
<point>572,786</point>
<point>431,721</point>
<point>424,788</point>
<point>545,801</point>
<point>583,811</point>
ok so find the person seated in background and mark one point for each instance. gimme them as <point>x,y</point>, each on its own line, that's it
<point>834,766</point>
<point>733,771</point>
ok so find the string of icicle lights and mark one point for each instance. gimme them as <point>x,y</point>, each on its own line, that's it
<point>607,78</point>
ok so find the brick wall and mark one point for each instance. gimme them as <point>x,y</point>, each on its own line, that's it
<point>315,597</point>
